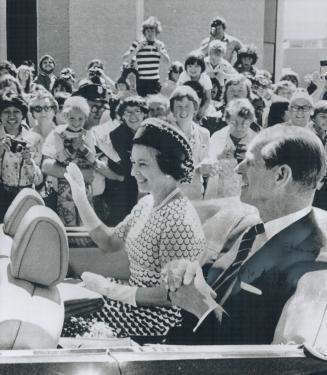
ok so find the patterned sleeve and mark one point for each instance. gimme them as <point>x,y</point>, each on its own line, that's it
<point>182,235</point>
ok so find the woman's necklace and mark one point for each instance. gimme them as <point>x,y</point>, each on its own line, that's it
<point>170,196</point>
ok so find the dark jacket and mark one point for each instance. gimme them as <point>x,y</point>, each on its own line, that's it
<point>275,269</point>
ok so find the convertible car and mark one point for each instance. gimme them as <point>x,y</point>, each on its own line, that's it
<point>36,255</point>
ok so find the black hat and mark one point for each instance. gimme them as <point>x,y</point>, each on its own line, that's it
<point>10,100</point>
<point>92,91</point>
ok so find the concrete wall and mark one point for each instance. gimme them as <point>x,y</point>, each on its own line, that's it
<point>53,31</point>
<point>3,32</point>
<point>303,60</point>
<point>76,31</point>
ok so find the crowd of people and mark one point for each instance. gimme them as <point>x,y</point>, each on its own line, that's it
<point>129,158</point>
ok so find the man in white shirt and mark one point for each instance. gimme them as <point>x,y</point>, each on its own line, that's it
<point>246,289</point>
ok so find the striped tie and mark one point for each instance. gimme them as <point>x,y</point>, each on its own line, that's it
<point>225,282</point>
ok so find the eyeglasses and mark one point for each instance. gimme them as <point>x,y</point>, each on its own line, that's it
<point>97,108</point>
<point>298,108</point>
<point>39,109</point>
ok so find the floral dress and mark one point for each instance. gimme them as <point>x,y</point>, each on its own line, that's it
<point>153,237</point>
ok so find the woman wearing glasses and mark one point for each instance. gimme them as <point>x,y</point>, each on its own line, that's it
<point>18,167</point>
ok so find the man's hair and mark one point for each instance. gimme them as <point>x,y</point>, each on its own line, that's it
<point>297,147</point>
<point>301,94</point>
<point>218,21</point>
<point>153,23</point>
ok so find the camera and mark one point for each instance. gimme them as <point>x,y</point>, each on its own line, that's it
<point>16,145</point>
<point>94,72</point>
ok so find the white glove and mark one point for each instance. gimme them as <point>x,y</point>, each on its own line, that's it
<point>117,292</point>
<point>76,181</point>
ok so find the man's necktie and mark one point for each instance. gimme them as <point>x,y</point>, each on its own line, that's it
<point>225,282</point>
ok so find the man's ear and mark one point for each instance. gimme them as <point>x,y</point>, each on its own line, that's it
<point>283,174</point>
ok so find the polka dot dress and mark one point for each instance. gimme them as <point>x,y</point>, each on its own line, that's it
<point>153,238</point>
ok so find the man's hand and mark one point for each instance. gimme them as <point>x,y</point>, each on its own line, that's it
<point>191,299</point>
<point>184,272</point>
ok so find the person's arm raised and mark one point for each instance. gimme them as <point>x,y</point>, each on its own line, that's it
<point>102,235</point>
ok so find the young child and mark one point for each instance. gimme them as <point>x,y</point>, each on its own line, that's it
<point>71,143</point>
<point>216,66</point>
<point>195,71</point>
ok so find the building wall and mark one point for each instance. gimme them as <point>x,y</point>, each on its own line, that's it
<point>304,60</point>
<point>3,33</point>
<point>76,32</point>
<point>53,31</point>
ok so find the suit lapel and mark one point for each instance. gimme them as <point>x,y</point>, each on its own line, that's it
<point>285,248</point>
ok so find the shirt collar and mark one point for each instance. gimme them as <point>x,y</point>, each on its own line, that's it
<point>275,226</point>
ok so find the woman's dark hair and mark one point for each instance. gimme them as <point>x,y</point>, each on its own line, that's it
<point>12,100</point>
<point>198,88</point>
<point>249,50</point>
<point>64,83</point>
<point>132,101</point>
<point>217,84</point>
<point>195,57</point>
<point>291,76</point>
<point>174,154</point>
<point>175,67</point>
<point>277,112</point>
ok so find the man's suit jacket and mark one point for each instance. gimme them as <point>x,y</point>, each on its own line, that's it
<point>275,269</point>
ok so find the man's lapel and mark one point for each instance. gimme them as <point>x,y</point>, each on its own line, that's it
<point>285,248</point>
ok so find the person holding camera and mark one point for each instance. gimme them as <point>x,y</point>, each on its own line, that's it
<point>96,74</point>
<point>18,169</point>
<point>228,147</point>
<point>148,52</point>
<point>217,32</point>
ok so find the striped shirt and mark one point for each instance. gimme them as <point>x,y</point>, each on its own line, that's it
<point>148,60</point>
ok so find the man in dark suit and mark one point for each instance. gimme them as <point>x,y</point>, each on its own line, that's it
<point>245,290</point>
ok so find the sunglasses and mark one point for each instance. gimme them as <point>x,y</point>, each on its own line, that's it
<point>39,109</point>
